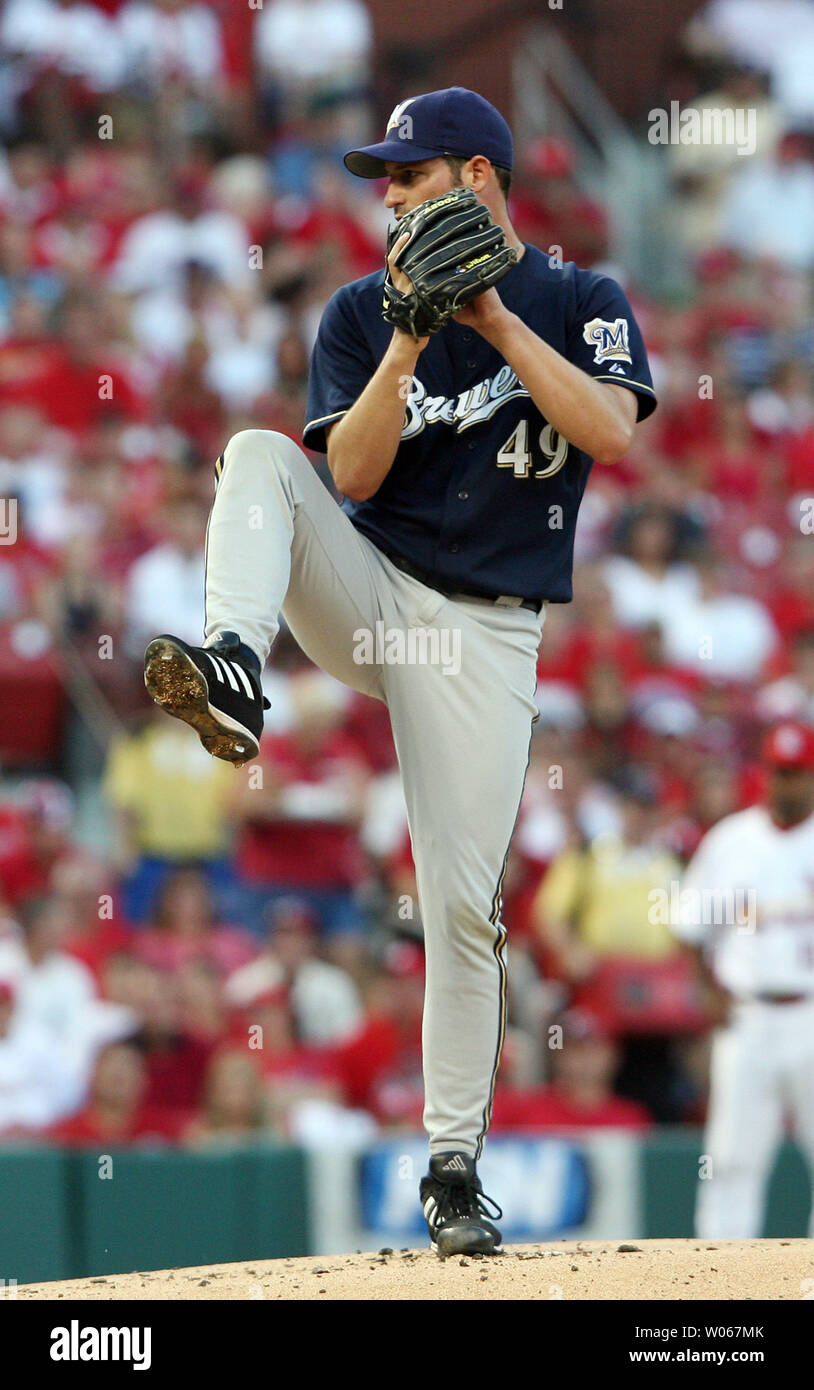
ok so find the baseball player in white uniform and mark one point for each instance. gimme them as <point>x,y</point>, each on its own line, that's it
<point>747,906</point>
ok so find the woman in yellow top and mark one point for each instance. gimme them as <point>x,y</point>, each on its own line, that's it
<point>607,899</point>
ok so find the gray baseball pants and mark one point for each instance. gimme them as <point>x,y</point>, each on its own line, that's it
<point>278,541</point>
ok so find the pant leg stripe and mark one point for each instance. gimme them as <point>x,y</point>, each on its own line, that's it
<point>497,951</point>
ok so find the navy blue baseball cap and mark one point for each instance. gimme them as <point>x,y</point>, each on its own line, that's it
<point>452,121</point>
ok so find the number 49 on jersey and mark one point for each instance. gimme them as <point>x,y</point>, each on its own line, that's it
<point>515,453</point>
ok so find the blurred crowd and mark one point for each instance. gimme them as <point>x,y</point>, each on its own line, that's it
<point>239,954</point>
<point>750,60</point>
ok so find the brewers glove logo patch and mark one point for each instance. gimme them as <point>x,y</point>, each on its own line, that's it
<point>609,340</point>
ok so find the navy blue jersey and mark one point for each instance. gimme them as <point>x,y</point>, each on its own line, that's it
<point>483,494</point>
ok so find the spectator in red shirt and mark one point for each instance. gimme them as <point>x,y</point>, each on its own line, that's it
<point>609,728</point>
<point>96,931</point>
<point>294,1072</point>
<point>235,1105</point>
<point>75,243</point>
<point>792,695</point>
<point>282,408</point>
<point>184,929</point>
<point>380,1065</point>
<point>368,724</point>
<point>29,355</point>
<point>657,678</point>
<point>799,458</point>
<point>336,216</point>
<point>300,827</point>
<point>549,210</point>
<point>734,466</point>
<point>117,1111</point>
<point>77,379</point>
<point>24,568</point>
<point>186,400</point>
<point>89,380</point>
<point>176,1062</point>
<point>596,638</point>
<point>791,600</point>
<point>580,1094</point>
<point>203,1010</point>
<point>715,795</point>
<point>667,744</point>
<point>29,861</point>
<point>325,1000</point>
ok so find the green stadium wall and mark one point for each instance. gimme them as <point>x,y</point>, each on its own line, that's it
<point>61,1218</point>
<point>669,1173</point>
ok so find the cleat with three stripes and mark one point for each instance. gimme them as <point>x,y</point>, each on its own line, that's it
<point>456,1209</point>
<point>215,689</point>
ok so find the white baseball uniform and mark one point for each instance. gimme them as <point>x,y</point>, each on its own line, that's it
<point>748,898</point>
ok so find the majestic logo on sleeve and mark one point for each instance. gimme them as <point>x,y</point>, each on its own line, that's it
<point>471,407</point>
<point>609,340</point>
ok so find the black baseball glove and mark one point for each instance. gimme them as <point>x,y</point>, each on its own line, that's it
<point>455,252</point>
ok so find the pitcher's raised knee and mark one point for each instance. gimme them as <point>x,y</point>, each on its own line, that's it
<point>268,444</point>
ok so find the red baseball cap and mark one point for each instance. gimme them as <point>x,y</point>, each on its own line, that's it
<point>790,745</point>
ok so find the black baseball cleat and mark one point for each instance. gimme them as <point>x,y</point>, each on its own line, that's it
<point>456,1209</point>
<point>214,689</point>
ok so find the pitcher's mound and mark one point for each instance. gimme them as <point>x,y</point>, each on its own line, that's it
<point>639,1269</point>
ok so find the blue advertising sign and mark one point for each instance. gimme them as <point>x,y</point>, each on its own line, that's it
<point>543,1185</point>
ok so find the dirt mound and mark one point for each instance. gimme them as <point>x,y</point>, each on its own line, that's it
<point>646,1270</point>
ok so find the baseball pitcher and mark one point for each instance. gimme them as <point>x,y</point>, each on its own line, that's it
<point>461,394</point>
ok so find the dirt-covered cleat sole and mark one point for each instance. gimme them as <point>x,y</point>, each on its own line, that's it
<point>179,686</point>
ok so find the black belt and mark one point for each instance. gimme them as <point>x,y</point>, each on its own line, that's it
<point>425,577</point>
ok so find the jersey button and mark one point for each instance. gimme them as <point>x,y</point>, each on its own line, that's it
<point>467,336</point>
<point>471,444</point>
<point>463,496</point>
<point>453,549</point>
